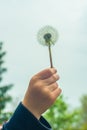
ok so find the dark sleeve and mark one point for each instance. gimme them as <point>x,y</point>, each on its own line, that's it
<point>22,119</point>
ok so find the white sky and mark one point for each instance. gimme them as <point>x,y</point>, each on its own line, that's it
<point>20,21</point>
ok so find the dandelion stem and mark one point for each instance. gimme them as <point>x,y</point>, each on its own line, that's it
<point>50,55</point>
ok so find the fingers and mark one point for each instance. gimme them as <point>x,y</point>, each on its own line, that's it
<point>52,79</point>
<point>56,93</point>
<point>47,77</point>
<point>55,89</point>
<point>53,86</point>
<point>46,73</point>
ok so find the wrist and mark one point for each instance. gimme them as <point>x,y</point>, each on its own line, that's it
<point>32,110</point>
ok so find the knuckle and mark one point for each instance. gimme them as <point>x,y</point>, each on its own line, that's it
<point>56,85</point>
<point>38,84</point>
<point>55,77</point>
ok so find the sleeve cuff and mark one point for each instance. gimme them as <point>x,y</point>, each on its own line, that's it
<point>24,119</point>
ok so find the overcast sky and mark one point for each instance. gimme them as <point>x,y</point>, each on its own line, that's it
<point>20,21</point>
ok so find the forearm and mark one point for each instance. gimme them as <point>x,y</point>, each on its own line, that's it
<point>23,119</point>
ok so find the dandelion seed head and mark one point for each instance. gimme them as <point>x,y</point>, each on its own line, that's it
<point>47,35</point>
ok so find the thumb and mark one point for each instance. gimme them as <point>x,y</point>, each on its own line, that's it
<point>46,73</point>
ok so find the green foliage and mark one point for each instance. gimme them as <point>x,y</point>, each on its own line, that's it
<point>4,97</point>
<point>61,118</point>
<point>84,107</point>
<point>4,116</point>
<point>84,112</point>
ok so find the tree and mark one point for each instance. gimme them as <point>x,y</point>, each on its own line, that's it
<point>61,118</point>
<point>4,96</point>
<point>84,108</point>
<point>84,112</point>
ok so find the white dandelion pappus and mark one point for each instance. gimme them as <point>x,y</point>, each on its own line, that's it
<point>50,31</point>
<point>48,36</point>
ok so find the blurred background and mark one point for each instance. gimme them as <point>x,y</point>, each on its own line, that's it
<point>19,23</point>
